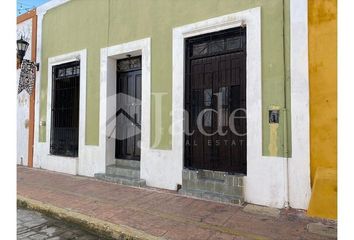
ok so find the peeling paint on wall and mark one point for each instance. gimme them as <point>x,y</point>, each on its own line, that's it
<point>273,136</point>
<point>24,29</point>
<point>273,148</point>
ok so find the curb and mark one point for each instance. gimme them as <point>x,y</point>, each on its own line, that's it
<point>93,225</point>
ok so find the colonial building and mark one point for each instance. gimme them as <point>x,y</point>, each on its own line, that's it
<point>209,97</point>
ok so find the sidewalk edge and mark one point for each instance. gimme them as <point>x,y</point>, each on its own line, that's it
<point>97,226</point>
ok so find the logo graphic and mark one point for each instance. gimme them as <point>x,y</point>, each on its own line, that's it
<point>124,118</point>
<point>125,122</point>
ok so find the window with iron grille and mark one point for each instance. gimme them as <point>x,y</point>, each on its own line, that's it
<point>64,137</point>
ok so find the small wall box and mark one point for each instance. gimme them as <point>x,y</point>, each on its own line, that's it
<point>273,116</point>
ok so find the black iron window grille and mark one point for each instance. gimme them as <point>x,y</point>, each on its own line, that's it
<point>129,64</point>
<point>222,42</point>
<point>64,137</point>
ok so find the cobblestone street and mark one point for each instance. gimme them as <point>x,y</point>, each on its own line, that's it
<point>32,225</point>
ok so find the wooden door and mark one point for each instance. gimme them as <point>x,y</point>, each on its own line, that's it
<point>128,109</point>
<point>215,89</point>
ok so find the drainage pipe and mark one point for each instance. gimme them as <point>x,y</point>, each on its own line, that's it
<point>286,159</point>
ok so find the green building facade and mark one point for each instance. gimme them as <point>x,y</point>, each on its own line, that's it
<point>98,32</point>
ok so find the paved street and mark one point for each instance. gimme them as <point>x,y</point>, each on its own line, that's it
<point>166,215</point>
<point>34,226</point>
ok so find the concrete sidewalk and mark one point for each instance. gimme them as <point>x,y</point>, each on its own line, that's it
<point>144,213</point>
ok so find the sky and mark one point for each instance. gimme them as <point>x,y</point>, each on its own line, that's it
<point>26,5</point>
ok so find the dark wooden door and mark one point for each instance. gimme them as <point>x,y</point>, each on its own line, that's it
<point>128,109</point>
<point>216,88</point>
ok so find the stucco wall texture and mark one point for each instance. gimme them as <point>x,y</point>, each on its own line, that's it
<point>323,83</point>
<point>93,25</point>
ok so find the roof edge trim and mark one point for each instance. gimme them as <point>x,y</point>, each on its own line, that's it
<point>42,9</point>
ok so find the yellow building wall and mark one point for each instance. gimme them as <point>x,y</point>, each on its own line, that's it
<point>323,83</point>
<point>323,106</point>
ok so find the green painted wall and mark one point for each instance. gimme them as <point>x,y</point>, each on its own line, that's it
<point>93,24</point>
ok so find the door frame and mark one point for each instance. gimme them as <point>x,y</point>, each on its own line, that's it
<point>250,18</point>
<point>58,60</point>
<point>108,75</point>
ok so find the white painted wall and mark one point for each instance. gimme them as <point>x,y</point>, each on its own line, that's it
<point>299,164</point>
<point>23,99</point>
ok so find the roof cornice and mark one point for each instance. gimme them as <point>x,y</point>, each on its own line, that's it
<point>42,9</point>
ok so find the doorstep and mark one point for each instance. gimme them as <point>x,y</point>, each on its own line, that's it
<point>126,172</point>
<point>213,185</point>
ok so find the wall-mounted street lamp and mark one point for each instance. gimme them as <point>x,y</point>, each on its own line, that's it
<point>22,46</point>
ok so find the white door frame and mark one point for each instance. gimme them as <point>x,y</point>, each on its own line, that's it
<point>264,183</point>
<point>109,57</point>
<point>61,163</point>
